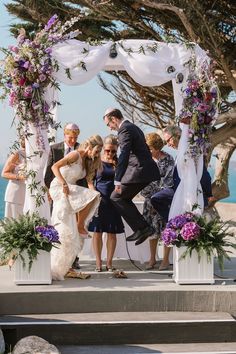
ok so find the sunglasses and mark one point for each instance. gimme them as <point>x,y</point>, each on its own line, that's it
<point>169,139</point>
<point>112,151</point>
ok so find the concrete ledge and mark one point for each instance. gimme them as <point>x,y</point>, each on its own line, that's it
<point>124,328</point>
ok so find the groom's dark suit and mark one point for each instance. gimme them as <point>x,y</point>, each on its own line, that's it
<point>135,170</point>
<point>56,153</point>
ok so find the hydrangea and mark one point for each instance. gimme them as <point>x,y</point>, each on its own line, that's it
<point>190,231</point>
<point>180,229</point>
<point>177,222</point>
<point>169,236</point>
<point>48,232</point>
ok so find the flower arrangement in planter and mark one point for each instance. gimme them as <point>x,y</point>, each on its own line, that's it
<point>197,233</point>
<point>27,234</point>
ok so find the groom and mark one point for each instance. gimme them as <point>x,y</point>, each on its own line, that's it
<point>134,171</point>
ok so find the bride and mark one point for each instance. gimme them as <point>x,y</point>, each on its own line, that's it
<point>73,206</point>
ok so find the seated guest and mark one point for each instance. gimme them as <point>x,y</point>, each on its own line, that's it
<point>165,164</point>
<point>14,170</point>
<point>162,200</point>
<point>108,219</point>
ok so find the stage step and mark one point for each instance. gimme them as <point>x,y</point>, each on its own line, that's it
<point>122,327</point>
<point>188,348</point>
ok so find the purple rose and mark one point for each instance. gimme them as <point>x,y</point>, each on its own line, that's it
<point>190,231</point>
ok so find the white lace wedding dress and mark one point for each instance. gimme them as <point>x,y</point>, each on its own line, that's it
<point>64,217</point>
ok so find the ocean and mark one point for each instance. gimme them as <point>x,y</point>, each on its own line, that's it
<point>230,199</point>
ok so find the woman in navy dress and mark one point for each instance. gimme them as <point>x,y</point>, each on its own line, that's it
<point>108,219</point>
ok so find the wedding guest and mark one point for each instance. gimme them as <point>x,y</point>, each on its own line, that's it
<point>73,205</point>
<point>134,171</point>
<point>108,219</point>
<point>162,200</point>
<point>14,170</point>
<point>165,163</point>
<point>57,152</point>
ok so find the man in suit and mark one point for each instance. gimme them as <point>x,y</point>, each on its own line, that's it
<point>57,152</point>
<point>134,171</point>
<point>162,200</point>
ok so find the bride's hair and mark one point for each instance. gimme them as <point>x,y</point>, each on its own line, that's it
<point>95,142</point>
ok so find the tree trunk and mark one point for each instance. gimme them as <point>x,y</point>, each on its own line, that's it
<point>224,151</point>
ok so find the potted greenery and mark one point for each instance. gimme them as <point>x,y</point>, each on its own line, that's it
<point>197,240</point>
<point>28,240</point>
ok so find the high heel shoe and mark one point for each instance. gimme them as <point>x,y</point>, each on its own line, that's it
<point>98,269</point>
<point>110,269</point>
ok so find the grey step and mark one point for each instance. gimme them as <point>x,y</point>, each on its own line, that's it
<point>189,348</point>
<point>95,299</point>
<point>122,328</point>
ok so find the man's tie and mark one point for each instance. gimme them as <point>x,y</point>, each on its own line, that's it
<point>68,150</point>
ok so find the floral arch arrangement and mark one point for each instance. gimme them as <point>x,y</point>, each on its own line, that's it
<point>35,67</point>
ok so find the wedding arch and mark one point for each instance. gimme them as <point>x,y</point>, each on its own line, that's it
<point>53,58</point>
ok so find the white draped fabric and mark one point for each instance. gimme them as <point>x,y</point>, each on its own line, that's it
<point>147,62</point>
<point>37,149</point>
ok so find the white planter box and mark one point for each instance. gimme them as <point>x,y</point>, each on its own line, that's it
<point>40,272</point>
<point>190,271</point>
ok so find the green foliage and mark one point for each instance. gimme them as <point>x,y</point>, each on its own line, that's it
<point>214,239</point>
<point>19,235</point>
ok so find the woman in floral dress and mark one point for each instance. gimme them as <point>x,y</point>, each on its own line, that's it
<point>165,163</point>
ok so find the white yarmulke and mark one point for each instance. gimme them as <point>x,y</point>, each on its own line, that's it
<point>109,110</point>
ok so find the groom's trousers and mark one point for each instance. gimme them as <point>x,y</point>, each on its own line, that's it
<point>125,206</point>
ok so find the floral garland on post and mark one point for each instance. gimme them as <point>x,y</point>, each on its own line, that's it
<point>27,72</point>
<point>200,106</point>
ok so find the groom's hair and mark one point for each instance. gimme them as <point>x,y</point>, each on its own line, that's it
<point>114,113</point>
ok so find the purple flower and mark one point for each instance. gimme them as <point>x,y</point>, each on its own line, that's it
<point>177,222</point>
<point>48,50</point>
<point>42,77</point>
<point>35,85</point>
<point>48,232</point>
<point>190,231</point>
<point>169,236</point>
<point>51,22</point>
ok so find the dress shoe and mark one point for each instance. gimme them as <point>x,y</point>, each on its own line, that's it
<point>134,236</point>
<point>148,231</point>
<point>76,265</point>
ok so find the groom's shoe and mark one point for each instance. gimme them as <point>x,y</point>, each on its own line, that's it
<point>137,234</point>
<point>147,232</point>
<point>134,236</point>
